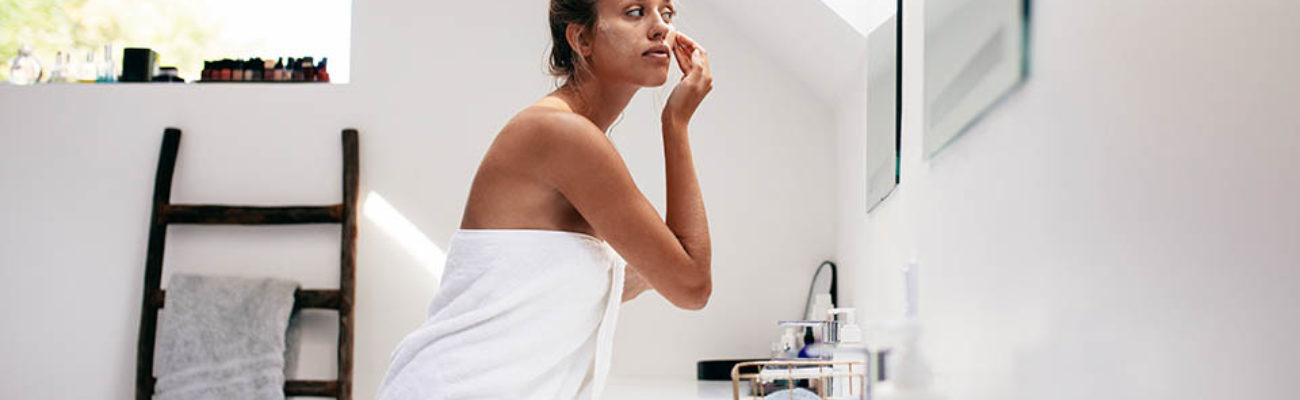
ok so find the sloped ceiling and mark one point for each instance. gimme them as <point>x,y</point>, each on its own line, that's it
<point>813,40</point>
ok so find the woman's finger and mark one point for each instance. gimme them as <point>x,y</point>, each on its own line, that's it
<point>698,73</point>
<point>702,58</point>
<point>683,58</point>
<point>698,56</point>
<point>688,42</point>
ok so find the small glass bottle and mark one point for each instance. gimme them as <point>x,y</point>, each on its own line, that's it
<point>24,69</point>
<point>59,72</point>
<point>88,71</point>
<point>107,70</point>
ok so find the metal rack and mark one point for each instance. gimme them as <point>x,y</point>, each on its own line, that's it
<point>818,373</point>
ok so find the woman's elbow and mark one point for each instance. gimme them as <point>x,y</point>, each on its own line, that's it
<point>698,295</point>
<point>702,298</point>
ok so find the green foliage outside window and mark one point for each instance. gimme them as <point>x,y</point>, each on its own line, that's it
<point>177,29</point>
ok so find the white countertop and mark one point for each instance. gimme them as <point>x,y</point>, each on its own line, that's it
<point>662,388</point>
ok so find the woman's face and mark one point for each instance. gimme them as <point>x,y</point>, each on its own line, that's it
<point>632,41</point>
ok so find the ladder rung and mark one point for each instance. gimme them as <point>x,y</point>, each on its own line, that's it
<point>243,215</point>
<point>304,388</point>
<point>311,388</point>
<point>303,298</point>
<point>317,298</point>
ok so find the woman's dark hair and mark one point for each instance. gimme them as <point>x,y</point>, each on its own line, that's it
<point>566,63</point>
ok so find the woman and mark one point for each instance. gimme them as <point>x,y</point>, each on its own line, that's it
<point>555,232</point>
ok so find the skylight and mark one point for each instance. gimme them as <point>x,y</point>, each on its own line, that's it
<point>863,15</point>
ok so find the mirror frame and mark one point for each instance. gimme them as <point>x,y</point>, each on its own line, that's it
<point>934,143</point>
<point>874,200</point>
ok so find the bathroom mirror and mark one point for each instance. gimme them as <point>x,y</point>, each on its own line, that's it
<point>975,54</point>
<point>884,66</point>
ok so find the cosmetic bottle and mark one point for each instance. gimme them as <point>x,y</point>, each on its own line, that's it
<point>308,70</point>
<point>250,70</point>
<point>58,72</point>
<point>226,70</point>
<point>268,70</point>
<point>808,349</point>
<point>789,344</point>
<point>107,69</point>
<point>296,66</point>
<point>277,70</point>
<point>322,75</point>
<point>87,71</point>
<point>908,376</point>
<point>24,69</point>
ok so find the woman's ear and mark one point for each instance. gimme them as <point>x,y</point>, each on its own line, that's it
<point>578,41</point>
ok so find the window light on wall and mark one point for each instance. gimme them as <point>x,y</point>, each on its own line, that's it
<point>70,36</point>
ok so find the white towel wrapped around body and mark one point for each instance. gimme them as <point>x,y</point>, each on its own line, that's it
<point>519,314</point>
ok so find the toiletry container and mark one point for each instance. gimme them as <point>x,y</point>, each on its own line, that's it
<point>849,348</point>
<point>908,376</point>
<point>789,344</point>
<point>24,69</point>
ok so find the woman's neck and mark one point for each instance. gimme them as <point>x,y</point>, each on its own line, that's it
<point>600,103</point>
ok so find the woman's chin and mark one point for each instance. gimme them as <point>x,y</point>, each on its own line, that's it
<point>656,80</point>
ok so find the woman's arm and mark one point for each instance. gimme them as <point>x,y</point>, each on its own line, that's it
<point>574,156</point>
<point>672,254</point>
<point>686,216</point>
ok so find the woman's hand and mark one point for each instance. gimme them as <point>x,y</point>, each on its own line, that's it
<point>696,82</point>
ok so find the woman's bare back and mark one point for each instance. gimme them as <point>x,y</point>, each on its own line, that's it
<point>507,194</point>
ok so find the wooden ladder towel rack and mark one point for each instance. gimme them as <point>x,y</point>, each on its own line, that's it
<point>342,299</point>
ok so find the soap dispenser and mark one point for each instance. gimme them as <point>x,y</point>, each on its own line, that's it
<point>908,376</point>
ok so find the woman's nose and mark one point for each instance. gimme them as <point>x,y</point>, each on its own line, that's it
<point>661,27</point>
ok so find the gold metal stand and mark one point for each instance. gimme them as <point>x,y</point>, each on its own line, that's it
<point>820,375</point>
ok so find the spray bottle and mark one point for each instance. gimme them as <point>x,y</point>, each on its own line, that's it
<point>908,373</point>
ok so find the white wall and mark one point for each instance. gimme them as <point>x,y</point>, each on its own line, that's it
<point>1124,226</point>
<point>432,83</point>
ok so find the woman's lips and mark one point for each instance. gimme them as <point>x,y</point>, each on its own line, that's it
<point>657,52</point>
<point>656,55</point>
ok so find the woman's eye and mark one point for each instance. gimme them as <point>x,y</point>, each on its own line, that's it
<point>669,14</point>
<point>636,12</point>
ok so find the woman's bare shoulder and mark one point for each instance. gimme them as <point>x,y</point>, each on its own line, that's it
<point>550,133</point>
<point>548,120</point>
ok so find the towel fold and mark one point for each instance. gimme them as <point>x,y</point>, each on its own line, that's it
<point>520,314</point>
<point>222,338</point>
